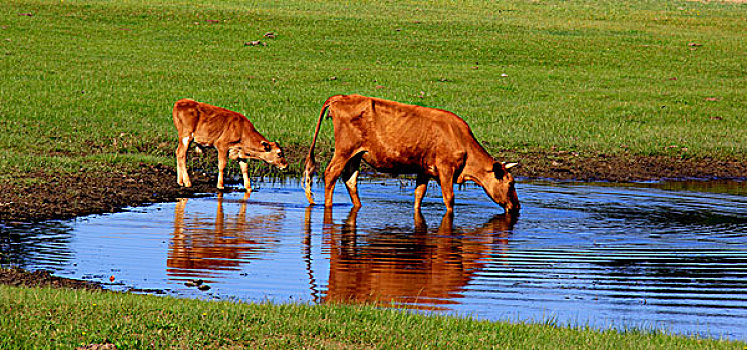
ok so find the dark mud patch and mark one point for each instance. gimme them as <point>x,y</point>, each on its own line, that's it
<point>19,277</point>
<point>39,196</point>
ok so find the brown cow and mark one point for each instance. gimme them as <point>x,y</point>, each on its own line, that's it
<point>398,138</point>
<point>425,270</point>
<point>231,133</point>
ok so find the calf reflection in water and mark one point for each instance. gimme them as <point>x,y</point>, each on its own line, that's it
<point>203,244</point>
<point>419,269</point>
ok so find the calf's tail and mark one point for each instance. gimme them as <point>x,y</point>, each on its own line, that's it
<point>310,165</point>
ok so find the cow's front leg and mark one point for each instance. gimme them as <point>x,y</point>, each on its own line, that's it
<point>350,176</point>
<point>446,179</point>
<point>421,186</point>
<point>245,174</point>
<point>222,161</point>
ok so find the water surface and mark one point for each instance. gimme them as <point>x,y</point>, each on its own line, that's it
<point>651,256</point>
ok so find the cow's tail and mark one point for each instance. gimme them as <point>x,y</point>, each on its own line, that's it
<point>310,165</point>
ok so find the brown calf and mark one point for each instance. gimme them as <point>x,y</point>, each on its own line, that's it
<point>405,139</point>
<point>231,133</point>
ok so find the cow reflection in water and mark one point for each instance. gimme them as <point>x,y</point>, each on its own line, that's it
<point>422,269</point>
<point>203,243</point>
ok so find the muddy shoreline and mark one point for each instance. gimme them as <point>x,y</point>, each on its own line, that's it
<point>18,277</point>
<point>36,197</point>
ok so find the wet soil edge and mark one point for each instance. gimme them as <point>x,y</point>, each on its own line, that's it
<point>42,278</point>
<point>39,196</point>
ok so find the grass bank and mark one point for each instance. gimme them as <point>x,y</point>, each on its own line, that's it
<point>42,318</point>
<point>90,84</point>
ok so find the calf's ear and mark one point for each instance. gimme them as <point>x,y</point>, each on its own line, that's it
<point>267,146</point>
<point>498,170</point>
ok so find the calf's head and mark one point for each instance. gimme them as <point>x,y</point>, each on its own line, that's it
<point>272,154</point>
<point>498,183</point>
<point>269,152</point>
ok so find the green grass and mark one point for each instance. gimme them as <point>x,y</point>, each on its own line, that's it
<point>88,83</point>
<point>59,318</point>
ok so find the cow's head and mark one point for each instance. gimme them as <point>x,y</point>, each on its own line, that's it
<point>499,185</point>
<point>269,152</point>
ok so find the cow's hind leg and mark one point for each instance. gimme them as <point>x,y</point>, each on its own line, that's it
<point>331,174</point>
<point>182,178</point>
<point>350,177</point>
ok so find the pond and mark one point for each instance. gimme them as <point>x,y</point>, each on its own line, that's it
<point>651,256</point>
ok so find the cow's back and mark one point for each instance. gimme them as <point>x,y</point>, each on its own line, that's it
<point>399,136</point>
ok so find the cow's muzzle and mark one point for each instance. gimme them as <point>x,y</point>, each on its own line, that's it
<point>512,208</point>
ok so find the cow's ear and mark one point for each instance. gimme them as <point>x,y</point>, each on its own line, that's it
<point>267,146</point>
<point>498,170</point>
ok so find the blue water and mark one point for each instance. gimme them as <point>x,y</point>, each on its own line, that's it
<point>579,254</point>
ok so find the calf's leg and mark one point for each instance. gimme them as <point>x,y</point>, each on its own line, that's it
<point>222,161</point>
<point>182,178</point>
<point>245,174</point>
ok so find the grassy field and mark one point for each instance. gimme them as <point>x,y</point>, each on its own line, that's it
<point>61,318</point>
<point>90,84</point>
